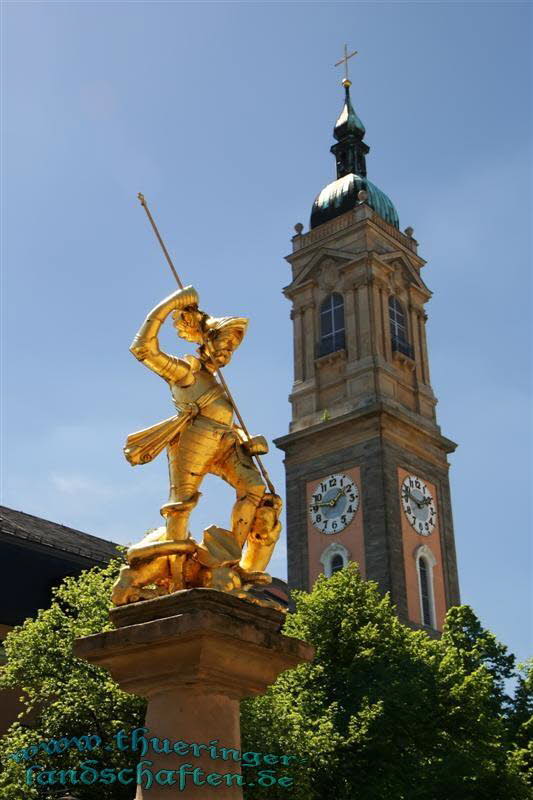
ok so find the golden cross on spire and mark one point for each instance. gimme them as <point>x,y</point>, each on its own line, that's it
<point>346,81</point>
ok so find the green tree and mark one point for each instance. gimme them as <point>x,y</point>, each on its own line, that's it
<point>385,711</point>
<point>71,698</point>
<point>382,712</point>
<point>520,723</point>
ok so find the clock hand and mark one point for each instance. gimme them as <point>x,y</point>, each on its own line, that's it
<point>415,500</point>
<point>334,502</point>
<point>335,499</point>
<point>330,503</point>
<point>426,501</point>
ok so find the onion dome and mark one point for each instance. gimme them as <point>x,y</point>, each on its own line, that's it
<point>348,121</point>
<point>342,195</point>
<point>350,154</point>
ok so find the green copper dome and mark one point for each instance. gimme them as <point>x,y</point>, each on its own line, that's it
<point>341,196</point>
<point>350,151</point>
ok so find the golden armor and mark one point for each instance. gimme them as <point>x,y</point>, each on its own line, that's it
<point>201,438</point>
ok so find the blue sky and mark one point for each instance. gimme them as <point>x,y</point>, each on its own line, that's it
<point>221,113</point>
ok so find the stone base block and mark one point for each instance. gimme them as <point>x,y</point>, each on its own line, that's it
<point>194,654</point>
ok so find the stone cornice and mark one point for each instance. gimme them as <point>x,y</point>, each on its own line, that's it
<point>404,360</point>
<point>401,254</point>
<point>307,274</point>
<point>355,218</point>
<point>331,358</point>
<point>330,252</point>
<point>384,411</point>
<point>419,293</point>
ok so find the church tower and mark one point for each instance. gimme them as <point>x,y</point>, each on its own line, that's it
<point>366,463</point>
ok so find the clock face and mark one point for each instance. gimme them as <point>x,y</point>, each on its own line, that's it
<point>334,502</point>
<point>418,505</point>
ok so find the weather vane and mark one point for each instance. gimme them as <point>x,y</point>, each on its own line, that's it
<point>346,80</point>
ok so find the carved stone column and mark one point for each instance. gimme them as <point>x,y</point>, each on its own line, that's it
<point>375,305</point>
<point>194,654</point>
<point>297,323</point>
<point>384,294</point>
<point>423,344</point>
<point>350,322</point>
<point>415,340</point>
<point>310,337</point>
<point>365,317</point>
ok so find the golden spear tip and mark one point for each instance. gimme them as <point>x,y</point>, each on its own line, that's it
<point>141,198</point>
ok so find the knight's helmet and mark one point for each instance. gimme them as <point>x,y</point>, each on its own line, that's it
<point>223,333</point>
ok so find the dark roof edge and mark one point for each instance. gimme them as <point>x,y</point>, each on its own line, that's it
<point>55,536</point>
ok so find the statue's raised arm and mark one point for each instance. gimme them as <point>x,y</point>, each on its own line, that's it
<point>145,345</point>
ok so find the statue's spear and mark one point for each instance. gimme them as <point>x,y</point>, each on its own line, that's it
<point>220,377</point>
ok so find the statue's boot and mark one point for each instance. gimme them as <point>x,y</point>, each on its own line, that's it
<point>256,557</point>
<point>264,534</point>
<point>243,513</point>
<point>177,516</point>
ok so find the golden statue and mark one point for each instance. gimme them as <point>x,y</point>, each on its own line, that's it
<point>201,438</point>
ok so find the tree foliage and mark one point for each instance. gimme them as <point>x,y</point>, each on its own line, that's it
<point>521,725</point>
<point>383,711</point>
<point>71,698</point>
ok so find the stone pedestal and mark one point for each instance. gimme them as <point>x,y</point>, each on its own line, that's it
<point>194,654</point>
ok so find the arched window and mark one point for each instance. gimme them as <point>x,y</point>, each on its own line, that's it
<point>425,599</point>
<point>334,558</point>
<point>425,562</point>
<point>336,563</point>
<point>398,328</point>
<point>331,325</point>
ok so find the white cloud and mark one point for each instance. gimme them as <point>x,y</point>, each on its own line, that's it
<point>80,485</point>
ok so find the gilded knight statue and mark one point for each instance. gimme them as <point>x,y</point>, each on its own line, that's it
<point>201,438</point>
